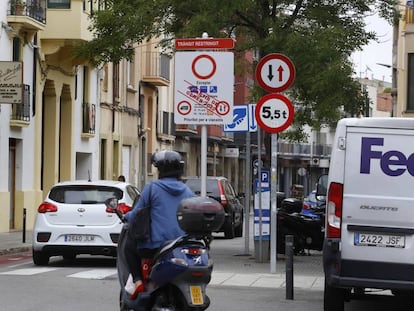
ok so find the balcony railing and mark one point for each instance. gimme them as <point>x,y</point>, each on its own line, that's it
<point>89,113</point>
<point>156,68</point>
<point>35,9</point>
<point>21,112</point>
<point>304,150</point>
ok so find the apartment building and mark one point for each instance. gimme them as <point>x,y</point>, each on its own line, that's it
<point>403,61</point>
<point>52,136</point>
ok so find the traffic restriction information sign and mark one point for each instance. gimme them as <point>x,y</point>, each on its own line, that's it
<point>203,92</point>
<point>274,113</point>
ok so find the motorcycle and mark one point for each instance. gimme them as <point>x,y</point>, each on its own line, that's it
<point>308,230</point>
<point>176,277</point>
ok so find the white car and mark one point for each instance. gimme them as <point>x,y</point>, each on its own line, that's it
<point>74,220</point>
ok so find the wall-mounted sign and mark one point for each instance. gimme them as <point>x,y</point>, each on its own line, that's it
<point>11,82</point>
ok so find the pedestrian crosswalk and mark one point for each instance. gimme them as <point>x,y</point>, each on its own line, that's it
<point>219,278</point>
<point>92,274</point>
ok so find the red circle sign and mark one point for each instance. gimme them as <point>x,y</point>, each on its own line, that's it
<point>275,73</point>
<point>184,107</point>
<point>274,113</point>
<point>210,61</point>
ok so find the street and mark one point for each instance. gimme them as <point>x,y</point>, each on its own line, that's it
<point>90,283</point>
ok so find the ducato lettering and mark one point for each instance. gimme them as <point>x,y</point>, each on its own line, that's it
<point>392,163</point>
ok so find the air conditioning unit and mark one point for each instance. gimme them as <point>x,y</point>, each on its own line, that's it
<point>314,162</point>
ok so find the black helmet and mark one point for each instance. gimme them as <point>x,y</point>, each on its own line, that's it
<point>169,163</point>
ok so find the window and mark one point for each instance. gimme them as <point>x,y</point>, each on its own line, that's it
<point>16,49</point>
<point>58,4</point>
<point>410,81</point>
<point>84,195</point>
<point>115,80</point>
<point>130,69</point>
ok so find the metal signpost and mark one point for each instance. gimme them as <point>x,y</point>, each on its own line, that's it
<point>244,121</point>
<point>274,113</point>
<point>203,90</point>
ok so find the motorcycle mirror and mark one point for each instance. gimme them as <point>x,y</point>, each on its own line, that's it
<point>322,187</point>
<point>111,203</point>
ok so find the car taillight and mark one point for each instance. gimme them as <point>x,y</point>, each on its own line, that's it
<point>223,198</point>
<point>334,210</point>
<point>122,207</point>
<point>47,207</point>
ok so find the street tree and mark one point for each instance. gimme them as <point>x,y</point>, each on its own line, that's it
<point>319,36</point>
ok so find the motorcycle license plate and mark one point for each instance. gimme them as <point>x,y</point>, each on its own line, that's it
<point>196,295</point>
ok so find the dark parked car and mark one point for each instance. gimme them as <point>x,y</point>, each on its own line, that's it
<point>220,189</point>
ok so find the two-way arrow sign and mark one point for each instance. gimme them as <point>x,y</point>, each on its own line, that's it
<point>268,65</point>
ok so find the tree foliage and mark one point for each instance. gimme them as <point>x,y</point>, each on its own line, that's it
<point>319,36</point>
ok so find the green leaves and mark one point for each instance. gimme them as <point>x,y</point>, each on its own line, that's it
<point>317,35</point>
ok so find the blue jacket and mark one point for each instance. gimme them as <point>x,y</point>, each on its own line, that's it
<point>166,195</point>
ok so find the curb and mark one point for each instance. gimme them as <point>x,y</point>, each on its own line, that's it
<point>14,250</point>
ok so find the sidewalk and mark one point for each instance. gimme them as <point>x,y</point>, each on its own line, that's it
<point>234,268</point>
<point>231,266</point>
<point>12,242</point>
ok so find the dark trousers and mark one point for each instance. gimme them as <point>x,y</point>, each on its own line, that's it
<point>133,257</point>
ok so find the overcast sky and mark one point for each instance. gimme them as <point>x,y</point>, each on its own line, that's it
<point>366,60</point>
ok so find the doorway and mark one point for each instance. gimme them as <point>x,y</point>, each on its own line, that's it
<point>12,181</point>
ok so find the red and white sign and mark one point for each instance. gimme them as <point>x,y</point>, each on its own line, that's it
<point>203,92</point>
<point>204,44</point>
<point>275,73</point>
<point>274,113</point>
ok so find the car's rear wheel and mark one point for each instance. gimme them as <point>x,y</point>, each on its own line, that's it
<point>229,228</point>
<point>238,231</point>
<point>333,298</point>
<point>40,258</point>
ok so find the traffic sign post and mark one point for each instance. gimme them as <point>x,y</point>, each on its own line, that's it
<point>274,113</point>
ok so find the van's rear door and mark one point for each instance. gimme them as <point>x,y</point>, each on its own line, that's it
<point>378,198</point>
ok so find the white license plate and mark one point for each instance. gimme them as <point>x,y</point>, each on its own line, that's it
<point>196,295</point>
<point>79,238</point>
<point>379,239</point>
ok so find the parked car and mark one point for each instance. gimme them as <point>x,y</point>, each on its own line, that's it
<point>73,219</point>
<point>220,189</point>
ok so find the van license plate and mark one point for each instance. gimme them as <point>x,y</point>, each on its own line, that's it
<point>196,295</point>
<point>380,240</point>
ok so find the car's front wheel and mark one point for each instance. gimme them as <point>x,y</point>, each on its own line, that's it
<point>40,258</point>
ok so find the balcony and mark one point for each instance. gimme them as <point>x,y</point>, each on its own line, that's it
<point>156,68</point>
<point>408,17</point>
<point>303,151</point>
<point>20,113</point>
<point>182,130</point>
<point>28,16</point>
<point>65,28</point>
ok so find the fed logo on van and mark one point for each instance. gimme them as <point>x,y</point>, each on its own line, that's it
<point>392,162</point>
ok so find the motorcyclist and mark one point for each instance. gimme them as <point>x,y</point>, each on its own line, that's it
<point>166,194</point>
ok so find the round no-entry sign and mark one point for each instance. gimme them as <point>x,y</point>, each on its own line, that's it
<point>274,113</point>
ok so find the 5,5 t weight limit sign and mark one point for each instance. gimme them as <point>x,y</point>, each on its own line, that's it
<point>274,113</point>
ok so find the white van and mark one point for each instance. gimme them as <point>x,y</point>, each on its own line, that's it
<point>369,236</point>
